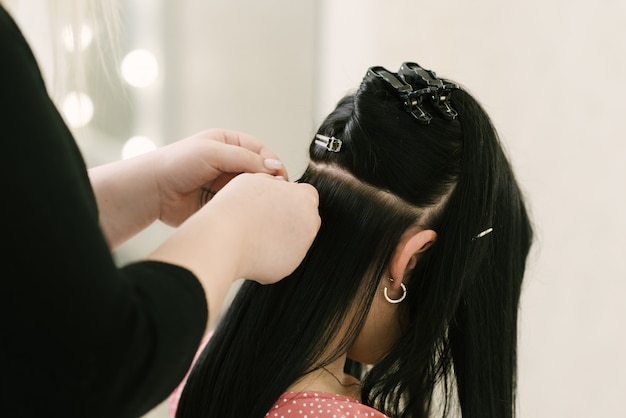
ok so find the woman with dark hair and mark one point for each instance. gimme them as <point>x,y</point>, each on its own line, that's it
<point>407,302</point>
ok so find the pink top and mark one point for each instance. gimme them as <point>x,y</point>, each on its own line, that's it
<point>320,405</point>
<point>172,402</point>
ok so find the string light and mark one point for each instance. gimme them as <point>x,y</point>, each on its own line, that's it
<point>70,39</point>
<point>140,68</point>
<point>78,109</point>
<point>137,145</point>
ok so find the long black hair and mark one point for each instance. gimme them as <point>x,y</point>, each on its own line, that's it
<point>391,173</point>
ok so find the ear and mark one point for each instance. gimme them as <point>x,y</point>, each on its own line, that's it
<point>408,252</point>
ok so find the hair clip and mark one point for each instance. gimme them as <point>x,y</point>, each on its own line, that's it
<point>331,143</point>
<point>412,100</point>
<point>482,234</point>
<point>440,90</point>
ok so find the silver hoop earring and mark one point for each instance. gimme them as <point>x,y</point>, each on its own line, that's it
<point>400,299</point>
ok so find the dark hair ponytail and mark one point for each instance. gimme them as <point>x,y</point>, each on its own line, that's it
<point>460,334</point>
<point>483,330</point>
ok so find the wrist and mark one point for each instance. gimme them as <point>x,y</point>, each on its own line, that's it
<point>126,198</point>
<point>206,245</point>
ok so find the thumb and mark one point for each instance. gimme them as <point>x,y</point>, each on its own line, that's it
<point>235,159</point>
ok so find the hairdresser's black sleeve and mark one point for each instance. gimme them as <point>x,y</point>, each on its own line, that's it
<point>79,337</point>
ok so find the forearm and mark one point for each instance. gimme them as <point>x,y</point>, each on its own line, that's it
<point>206,246</point>
<point>127,198</point>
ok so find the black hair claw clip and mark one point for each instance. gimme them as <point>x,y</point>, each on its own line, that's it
<point>411,99</point>
<point>438,89</point>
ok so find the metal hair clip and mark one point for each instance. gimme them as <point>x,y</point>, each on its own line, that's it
<point>412,100</point>
<point>331,143</point>
<point>482,234</point>
<point>439,90</point>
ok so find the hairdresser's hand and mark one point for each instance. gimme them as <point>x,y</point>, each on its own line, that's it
<point>257,227</point>
<point>207,160</point>
<point>271,224</point>
<point>167,183</point>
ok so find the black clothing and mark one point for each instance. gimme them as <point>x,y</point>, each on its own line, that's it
<point>79,336</point>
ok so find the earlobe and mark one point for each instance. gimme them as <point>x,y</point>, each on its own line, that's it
<point>395,301</point>
<point>408,252</point>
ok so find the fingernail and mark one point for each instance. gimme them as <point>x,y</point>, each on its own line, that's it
<point>280,178</point>
<point>271,164</point>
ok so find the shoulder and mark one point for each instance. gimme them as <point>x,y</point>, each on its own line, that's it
<point>320,405</point>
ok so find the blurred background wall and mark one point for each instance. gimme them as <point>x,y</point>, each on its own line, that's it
<point>550,73</point>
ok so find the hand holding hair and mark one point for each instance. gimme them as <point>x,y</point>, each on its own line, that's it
<point>257,227</point>
<point>168,183</point>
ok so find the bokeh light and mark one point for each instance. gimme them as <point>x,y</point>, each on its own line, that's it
<point>78,109</point>
<point>70,38</point>
<point>137,145</point>
<point>140,68</point>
